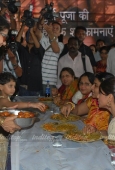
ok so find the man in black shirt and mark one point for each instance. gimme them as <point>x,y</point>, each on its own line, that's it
<point>30,59</point>
<point>80,33</point>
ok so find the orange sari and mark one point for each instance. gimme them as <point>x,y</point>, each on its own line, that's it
<point>98,118</point>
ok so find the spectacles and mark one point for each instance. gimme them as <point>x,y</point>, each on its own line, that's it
<point>5,36</point>
<point>86,84</point>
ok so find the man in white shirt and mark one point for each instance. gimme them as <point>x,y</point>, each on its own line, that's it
<point>111,61</point>
<point>73,59</point>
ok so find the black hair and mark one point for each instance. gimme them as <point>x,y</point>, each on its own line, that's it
<point>4,24</point>
<point>6,77</point>
<point>108,87</point>
<point>73,38</point>
<point>90,77</point>
<point>93,45</point>
<point>69,70</point>
<point>100,40</point>
<point>103,76</point>
<point>106,48</point>
<point>80,28</point>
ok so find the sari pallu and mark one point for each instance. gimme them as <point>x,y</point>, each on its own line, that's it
<point>97,117</point>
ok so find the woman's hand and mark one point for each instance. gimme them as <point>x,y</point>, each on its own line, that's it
<point>9,125</point>
<point>66,109</point>
<point>89,129</point>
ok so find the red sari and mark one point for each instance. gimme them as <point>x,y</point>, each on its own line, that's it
<point>101,67</point>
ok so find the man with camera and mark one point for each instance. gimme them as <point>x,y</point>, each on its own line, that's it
<point>30,58</point>
<point>53,48</point>
<point>9,60</point>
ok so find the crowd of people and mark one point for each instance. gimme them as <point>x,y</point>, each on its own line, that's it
<point>81,77</point>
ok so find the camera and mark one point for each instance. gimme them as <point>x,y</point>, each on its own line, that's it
<point>27,17</point>
<point>11,41</point>
<point>48,13</point>
<point>12,5</point>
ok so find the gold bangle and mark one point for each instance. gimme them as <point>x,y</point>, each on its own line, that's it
<point>72,105</point>
<point>2,119</point>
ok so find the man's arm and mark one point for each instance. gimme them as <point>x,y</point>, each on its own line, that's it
<point>36,42</point>
<point>39,28</point>
<point>12,21</point>
<point>18,38</point>
<point>17,68</point>
<point>52,38</point>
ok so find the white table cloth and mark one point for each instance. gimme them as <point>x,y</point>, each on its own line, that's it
<point>31,149</point>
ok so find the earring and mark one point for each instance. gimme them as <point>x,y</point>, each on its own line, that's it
<point>109,104</point>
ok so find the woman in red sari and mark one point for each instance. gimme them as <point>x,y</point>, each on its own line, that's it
<point>69,86</point>
<point>102,64</point>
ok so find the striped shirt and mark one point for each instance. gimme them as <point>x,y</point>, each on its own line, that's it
<point>49,62</point>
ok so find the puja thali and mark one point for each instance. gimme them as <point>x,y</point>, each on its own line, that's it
<point>79,136</point>
<point>59,127</point>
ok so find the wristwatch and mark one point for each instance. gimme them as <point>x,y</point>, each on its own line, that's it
<point>53,39</point>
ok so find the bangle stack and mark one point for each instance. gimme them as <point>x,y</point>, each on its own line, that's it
<point>72,105</point>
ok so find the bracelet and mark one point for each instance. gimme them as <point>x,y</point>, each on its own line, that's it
<point>52,39</point>
<point>2,119</point>
<point>14,65</point>
<point>72,105</point>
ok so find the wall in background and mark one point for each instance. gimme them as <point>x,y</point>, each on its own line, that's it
<point>98,16</point>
